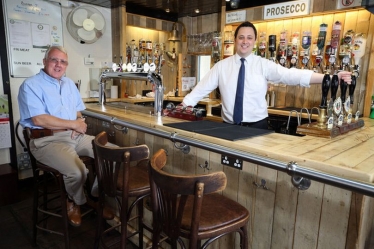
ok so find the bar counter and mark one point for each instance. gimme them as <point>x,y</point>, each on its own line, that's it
<point>282,216</point>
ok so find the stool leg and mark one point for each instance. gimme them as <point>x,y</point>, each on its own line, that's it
<point>64,212</point>
<point>35,209</point>
<point>100,221</point>
<point>140,223</point>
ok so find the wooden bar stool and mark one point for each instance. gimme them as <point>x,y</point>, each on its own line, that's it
<point>188,207</point>
<point>119,180</point>
<point>49,186</point>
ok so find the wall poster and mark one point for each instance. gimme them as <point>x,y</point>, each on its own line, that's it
<point>32,26</point>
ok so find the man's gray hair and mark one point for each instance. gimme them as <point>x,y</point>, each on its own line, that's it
<point>61,48</point>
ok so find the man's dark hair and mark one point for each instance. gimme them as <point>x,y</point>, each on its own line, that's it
<point>246,24</point>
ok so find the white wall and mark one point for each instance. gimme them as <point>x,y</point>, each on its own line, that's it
<point>101,51</point>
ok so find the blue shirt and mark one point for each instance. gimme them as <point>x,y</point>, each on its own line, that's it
<point>42,94</point>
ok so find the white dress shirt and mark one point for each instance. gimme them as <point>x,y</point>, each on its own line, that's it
<point>258,72</point>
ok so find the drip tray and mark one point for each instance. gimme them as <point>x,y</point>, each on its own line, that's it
<point>220,130</point>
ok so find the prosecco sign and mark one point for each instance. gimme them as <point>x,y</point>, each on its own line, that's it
<point>287,9</point>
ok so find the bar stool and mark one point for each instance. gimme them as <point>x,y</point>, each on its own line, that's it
<point>119,180</point>
<point>49,185</point>
<point>188,207</point>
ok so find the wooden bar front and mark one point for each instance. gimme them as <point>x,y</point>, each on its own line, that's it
<point>282,216</point>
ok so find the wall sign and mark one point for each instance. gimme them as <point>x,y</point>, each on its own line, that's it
<point>342,4</point>
<point>287,9</point>
<point>237,16</point>
<point>32,26</point>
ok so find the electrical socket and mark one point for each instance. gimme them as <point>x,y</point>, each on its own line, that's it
<point>232,162</point>
<point>23,161</point>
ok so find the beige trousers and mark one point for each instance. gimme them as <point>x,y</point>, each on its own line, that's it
<point>61,152</point>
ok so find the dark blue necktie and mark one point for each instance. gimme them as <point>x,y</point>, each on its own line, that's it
<point>238,107</point>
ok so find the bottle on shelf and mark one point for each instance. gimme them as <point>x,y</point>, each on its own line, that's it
<point>372,107</point>
<point>262,45</point>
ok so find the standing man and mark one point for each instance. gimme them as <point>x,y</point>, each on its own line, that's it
<point>255,74</point>
<point>52,102</point>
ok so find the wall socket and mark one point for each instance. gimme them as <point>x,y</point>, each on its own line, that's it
<point>23,161</point>
<point>232,162</point>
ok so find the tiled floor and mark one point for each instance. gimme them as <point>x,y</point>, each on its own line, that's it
<point>16,226</point>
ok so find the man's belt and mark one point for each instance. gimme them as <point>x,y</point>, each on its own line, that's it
<point>38,133</point>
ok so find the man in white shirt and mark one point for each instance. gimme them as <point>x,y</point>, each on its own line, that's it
<point>258,72</point>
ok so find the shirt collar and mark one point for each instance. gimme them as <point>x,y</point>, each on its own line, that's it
<point>51,79</point>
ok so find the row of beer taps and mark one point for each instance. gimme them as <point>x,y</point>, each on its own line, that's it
<point>321,55</point>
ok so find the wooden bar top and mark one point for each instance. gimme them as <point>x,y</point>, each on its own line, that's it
<point>350,155</point>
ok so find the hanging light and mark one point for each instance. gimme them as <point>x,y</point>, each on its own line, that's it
<point>197,11</point>
<point>234,4</point>
<point>167,9</point>
<point>174,36</point>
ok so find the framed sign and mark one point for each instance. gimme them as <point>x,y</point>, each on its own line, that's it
<point>32,26</point>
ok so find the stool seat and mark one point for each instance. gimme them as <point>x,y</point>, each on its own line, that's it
<point>119,180</point>
<point>138,180</point>
<point>50,195</point>
<point>191,207</point>
<point>217,214</point>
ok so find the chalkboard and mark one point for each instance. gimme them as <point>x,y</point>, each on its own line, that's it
<point>32,26</point>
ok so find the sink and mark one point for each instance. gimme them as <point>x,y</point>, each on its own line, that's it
<point>131,107</point>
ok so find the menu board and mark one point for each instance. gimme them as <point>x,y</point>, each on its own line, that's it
<point>32,26</point>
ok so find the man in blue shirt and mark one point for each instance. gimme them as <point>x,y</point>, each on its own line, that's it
<point>51,101</point>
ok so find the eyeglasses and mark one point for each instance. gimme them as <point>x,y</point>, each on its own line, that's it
<point>55,61</point>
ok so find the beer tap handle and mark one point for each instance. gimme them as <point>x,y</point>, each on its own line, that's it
<point>351,88</point>
<point>326,82</point>
<point>334,86</point>
<point>343,89</point>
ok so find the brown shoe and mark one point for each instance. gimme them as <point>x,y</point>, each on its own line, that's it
<point>74,214</point>
<point>107,213</point>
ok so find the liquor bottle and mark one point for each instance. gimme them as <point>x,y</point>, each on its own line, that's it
<point>262,44</point>
<point>358,50</point>
<point>372,107</point>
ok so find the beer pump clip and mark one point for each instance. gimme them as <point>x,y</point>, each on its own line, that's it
<point>314,54</point>
<point>334,42</point>
<point>272,47</point>
<point>306,42</point>
<point>295,49</point>
<point>321,43</point>
<point>345,49</point>
<point>281,54</point>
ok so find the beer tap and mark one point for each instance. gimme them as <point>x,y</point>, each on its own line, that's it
<point>345,49</point>
<point>295,49</point>
<point>314,55</point>
<point>334,43</point>
<point>306,42</point>
<point>272,46</point>
<point>281,54</point>
<point>326,82</point>
<point>321,43</point>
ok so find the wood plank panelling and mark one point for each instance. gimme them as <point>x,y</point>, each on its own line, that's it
<point>282,216</point>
